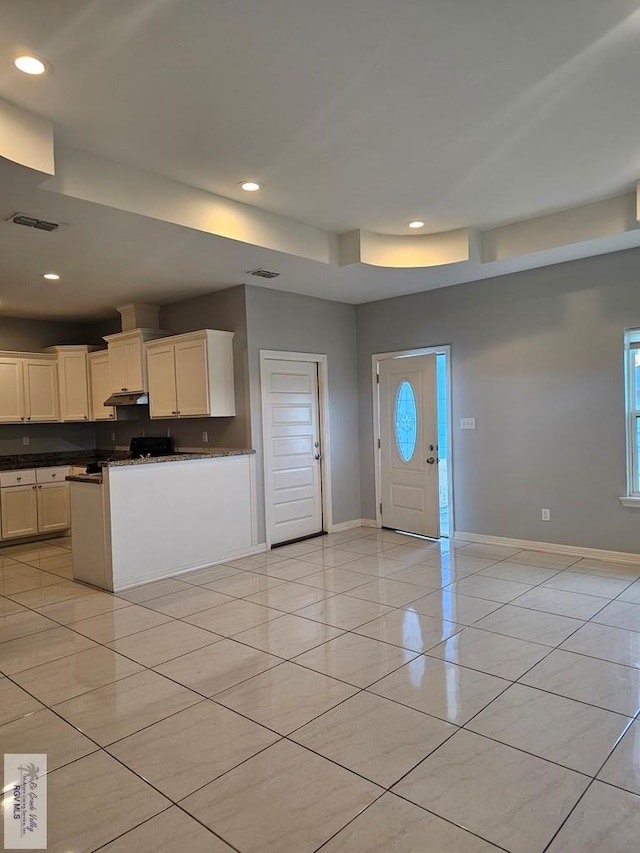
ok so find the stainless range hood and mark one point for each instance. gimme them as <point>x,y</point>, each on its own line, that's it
<point>137,398</point>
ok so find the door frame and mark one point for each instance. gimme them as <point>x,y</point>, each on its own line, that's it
<point>323,424</point>
<point>376,358</point>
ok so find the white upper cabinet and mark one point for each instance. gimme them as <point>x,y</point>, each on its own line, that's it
<point>191,375</point>
<point>100,386</point>
<point>41,390</point>
<point>11,390</point>
<point>161,369</point>
<point>73,376</point>
<point>28,387</point>
<point>127,363</point>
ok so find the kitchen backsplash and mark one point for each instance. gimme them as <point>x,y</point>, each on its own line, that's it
<point>187,433</point>
<point>46,438</point>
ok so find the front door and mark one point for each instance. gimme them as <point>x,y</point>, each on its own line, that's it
<point>292,449</point>
<point>408,445</point>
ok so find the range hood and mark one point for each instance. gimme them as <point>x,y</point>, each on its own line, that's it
<point>137,398</point>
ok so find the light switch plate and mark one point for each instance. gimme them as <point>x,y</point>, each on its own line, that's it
<point>25,440</point>
<point>467,423</point>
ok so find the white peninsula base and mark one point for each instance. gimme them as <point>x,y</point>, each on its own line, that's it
<point>151,519</point>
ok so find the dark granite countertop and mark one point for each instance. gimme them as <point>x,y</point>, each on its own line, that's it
<point>51,460</point>
<point>108,457</point>
<point>86,478</point>
<point>214,453</point>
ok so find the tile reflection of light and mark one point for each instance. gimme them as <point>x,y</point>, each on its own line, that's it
<point>412,637</point>
<point>411,630</point>
<point>447,607</point>
<point>416,669</point>
<point>452,688</point>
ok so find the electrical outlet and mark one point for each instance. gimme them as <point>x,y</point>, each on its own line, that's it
<point>546,515</point>
<point>25,440</point>
<point>205,437</point>
<point>113,436</point>
<point>467,423</point>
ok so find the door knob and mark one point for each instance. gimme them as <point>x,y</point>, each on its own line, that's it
<point>318,456</point>
<point>431,460</point>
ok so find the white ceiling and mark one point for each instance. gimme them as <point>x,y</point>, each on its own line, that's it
<point>356,114</point>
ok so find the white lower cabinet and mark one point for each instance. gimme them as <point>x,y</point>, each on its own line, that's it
<point>19,510</point>
<point>34,502</point>
<point>53,507</point>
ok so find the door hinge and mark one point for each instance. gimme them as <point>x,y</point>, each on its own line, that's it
<point>377,378</point>
<point>379,445</point>
<point>381,508</point>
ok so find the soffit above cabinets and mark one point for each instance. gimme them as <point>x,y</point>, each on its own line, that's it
<point>510,130</point>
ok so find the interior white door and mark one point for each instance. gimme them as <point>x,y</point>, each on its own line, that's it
<point>292,449</point>
<point>409,445</point>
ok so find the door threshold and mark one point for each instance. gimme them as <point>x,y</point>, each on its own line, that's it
<point>299,539</point>
<point>413,535</point>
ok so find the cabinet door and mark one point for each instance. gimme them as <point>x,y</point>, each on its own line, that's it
<point>118,366</point>
<point>19,510</point>
<point>100,384</point>
<point>53,507</point>
<point>192,381</point>
<point>11,391</point>
<point>74,386</point>
<point>41,390</point>
<point>135,369</point>
<point>162,381</point>
<point>125,364</point>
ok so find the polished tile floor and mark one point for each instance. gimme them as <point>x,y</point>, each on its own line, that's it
<point>363,691</point>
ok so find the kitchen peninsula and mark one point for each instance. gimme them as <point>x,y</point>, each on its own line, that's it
<point>144,519</point>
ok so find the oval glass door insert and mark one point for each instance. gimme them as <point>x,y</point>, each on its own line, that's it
<point>406,421</point>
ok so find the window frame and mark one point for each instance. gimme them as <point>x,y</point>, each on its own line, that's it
<point>632,416</point>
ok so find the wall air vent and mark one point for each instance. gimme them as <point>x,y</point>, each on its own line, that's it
<point>263,273</point>
<point>32,222</point>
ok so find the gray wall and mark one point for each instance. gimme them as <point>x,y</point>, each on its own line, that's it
<point>288,322</point>
<point>537,360</point>
<point>224,310</point>
<point>24,335</point>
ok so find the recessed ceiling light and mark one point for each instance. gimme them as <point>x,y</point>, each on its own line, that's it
<point>417,223</point>
<point>51,276</point>
<point>250,186</point>
<point>30,65</point>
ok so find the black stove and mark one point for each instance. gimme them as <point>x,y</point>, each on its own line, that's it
<point>141,447</point>
<point>151,445</point>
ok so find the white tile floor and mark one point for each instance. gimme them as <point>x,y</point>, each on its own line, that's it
<point>354,693</point>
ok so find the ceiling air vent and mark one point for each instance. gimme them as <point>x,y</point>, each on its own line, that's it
<point>33,222</point>
<point>263,273</point>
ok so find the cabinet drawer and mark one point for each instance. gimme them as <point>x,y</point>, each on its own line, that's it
<point>52,475</point>
<point>17,478</point>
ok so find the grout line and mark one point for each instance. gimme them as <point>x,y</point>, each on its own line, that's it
<point>558,830</point>
<point>357,690</point>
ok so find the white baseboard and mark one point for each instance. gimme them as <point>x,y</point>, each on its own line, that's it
<point>350,525</point>
<point>533,545</point>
